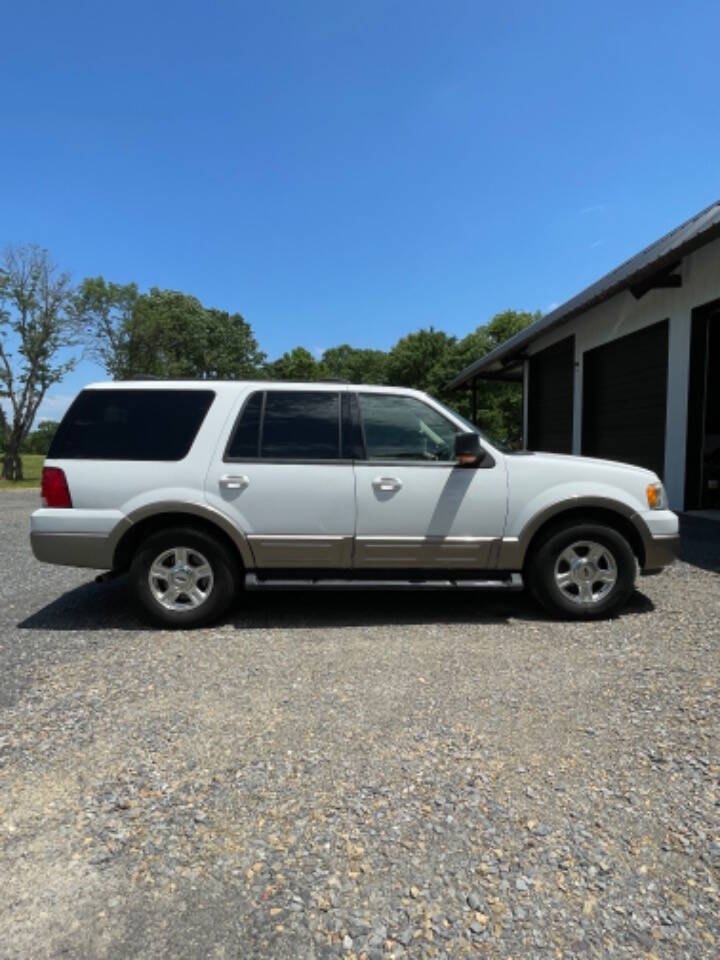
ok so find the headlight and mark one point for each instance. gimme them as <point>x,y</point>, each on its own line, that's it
<point>656,496</point>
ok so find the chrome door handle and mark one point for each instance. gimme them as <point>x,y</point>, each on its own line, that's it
<point>387,483</point>
<point>229,482</point>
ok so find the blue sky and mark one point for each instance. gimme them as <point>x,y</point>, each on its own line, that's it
<point>352,172</point>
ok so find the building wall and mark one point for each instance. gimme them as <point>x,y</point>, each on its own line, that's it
<point>624,314</point>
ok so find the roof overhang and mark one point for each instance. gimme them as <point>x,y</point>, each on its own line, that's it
<point>652,268</point>
<point>510,372</point>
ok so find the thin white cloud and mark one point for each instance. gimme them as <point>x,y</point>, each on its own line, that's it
<point>593,208</point>
<point>54,406</point>
<point>596,243</point>
<point>550,307</point>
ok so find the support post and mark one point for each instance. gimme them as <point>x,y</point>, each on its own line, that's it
<point>526,380</point>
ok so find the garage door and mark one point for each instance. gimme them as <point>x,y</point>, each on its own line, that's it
<point>550,398</point>
<point>624,398</point>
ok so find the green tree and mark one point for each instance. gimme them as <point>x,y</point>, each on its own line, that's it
<point>506,324</point>
<point>103,315</point>
<point>231,351</point>
<point>164,336</point>
<point>35,326</point>
<point>417,360</point>
<point>297,364</point>
<point>38,440</point>
<point>458,356</point>
<point>163,333</point>
<point>355,365</point>
<point>499,405</point>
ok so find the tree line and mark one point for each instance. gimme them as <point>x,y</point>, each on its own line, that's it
<point>47,324</point>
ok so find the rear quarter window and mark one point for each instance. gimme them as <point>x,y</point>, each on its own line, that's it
<point>131,425</point>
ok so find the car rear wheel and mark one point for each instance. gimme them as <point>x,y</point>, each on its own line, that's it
<point>582,572</point>
<point>183,577</point>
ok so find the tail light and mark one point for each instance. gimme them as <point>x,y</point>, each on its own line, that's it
<point>54,490</point>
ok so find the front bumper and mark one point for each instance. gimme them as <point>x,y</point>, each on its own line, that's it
<point>660,533</point>
<point>660,552</point>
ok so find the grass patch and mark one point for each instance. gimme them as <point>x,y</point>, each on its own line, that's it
<point>32,469</point>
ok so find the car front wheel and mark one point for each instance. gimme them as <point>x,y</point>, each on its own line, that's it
<point>582,572</point>
<point>183,577</point>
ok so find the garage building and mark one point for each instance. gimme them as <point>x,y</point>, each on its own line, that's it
<point>629,369</point>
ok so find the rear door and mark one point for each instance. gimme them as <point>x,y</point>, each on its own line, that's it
<point>282,476</point>
<point>416,508</point>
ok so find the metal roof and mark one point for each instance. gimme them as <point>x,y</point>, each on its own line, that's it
<point>661,255</point>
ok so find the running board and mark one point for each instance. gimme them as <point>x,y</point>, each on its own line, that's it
<point>252,582</point>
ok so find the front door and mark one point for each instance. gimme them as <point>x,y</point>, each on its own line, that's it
<point>283,478</point>
<point>416,508</point>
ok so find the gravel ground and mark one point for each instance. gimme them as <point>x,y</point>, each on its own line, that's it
<point>358,775</point>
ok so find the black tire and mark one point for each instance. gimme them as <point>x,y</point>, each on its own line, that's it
<point>219,588</point>
<point>562,587</point>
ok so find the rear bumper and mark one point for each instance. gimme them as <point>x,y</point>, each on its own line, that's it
<point>76,537</point>
<point>73,549</point>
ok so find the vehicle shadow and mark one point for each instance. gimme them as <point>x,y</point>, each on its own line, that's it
<point>107,606</point>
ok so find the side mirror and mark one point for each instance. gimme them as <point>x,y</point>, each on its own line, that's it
<point>468,449</point>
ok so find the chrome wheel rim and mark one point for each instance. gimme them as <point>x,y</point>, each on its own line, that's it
<point>585,572</point>
<point>181,579</point>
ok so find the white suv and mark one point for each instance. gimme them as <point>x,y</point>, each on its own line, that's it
<point>198,488</point>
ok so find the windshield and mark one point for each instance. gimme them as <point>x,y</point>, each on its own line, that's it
<point>472,428</point>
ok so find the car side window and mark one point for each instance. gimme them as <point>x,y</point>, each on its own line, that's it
<point>287,425</point>
<point>121,424</point>
<point>404,428</point>
<point>245,441</point>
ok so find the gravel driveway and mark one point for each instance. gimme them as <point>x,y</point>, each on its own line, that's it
<point>358,775</point>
